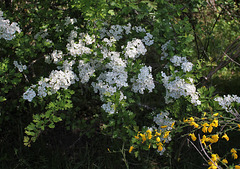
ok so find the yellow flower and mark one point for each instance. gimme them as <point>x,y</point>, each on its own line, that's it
<point>163,127</point>
<point>215,157</point>
<point>238,125</point>
<point>233,150</point>
<point>224,161</point>
<point>194,124</point>
<point>131,149</point>
<point>157,134</point>
<point>143,137</point>
<point>212,167</point>
<point>215,114</point>
<point>237,167</point>
<point>149,134</point>
<point>203,140</point>
<point>172,124</point>
<point>204,114</point>
<point>160,148</point>
<point>137,136</point>
<point>234,153</point>
<point>185,120</point>
<point>235,156</point>
<point>158,139</point>
<point>204,129</point>
<point>210,128</point>
<point>213,163</point>
<point>193,136</point>
<point>166,134</point>
<point>191,119</point>
<point>215,123</point>
<point>214,138</point>
<point>225,136</point>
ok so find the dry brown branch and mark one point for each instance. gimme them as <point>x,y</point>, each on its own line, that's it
<point>232,52</point>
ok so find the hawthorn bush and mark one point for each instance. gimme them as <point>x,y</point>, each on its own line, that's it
<point>131,81</point>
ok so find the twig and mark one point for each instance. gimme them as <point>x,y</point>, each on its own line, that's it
<point>231,59</point>
<point>206,152</point>
<point>197,150</point>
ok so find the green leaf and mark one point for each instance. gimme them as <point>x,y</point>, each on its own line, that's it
<point>2,99</point>
<point>52,125</point>
<point>56,119</point>
<point>111,12</point>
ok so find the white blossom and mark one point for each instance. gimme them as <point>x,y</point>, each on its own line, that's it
<point>57,56</point>
<point>148,39</point>
<point>186,66</point>
<point>78,48</point>
<point>19,66</point>
<point>164,48</point>
<point>108,107</point>
<point>179,87</point>
<point>86,70</point>
<point>134,49</point>
<point>226,101</point>
<point>29,95</point>
<point>7,30</point>
<point>144,80</point>
<point>69,20</point>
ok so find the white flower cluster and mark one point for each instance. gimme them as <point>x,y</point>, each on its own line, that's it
<point>164,50</point>
<point>110,41</point>
<point>78,48</point>
<point>144,80</point>
<point>148,39</point>
<point>88,39</point>
<point>61,79</point>
<point>19,66</point>
<point>8,30</point>
<point>134,49</point>
<point>29,94</point>
<point>183,62</point>
<point>117,32</point>
<point>86,70</point>
<point>69,20</point>
<point>179,87</point>
<point>42,88</point>
<point>138,29</point>
<point>57,79</point>
<point>108,107</point>
<point>226,101</point>
<point>115,78</point>
<point>73,34</point>
<point>113,75</point>
<point>56,57</point>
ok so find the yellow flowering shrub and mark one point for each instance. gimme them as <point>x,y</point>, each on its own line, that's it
<point>210,129</point>
<point>156,139</point>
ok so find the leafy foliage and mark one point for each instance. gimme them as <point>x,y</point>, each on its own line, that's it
<point>136,124</point>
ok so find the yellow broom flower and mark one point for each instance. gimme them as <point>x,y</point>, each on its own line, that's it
<point>131,149</point>
<point>166,134</point>
<point>237,167</point>
<point>225,136</point>
<point>192,135</point>
<point>205,127</point>
<point>224,161</point>
<point>214,138</point>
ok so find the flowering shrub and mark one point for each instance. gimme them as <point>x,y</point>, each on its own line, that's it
<point>137,82</point>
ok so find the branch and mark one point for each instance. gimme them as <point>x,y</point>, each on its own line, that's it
<point>206,152</point>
